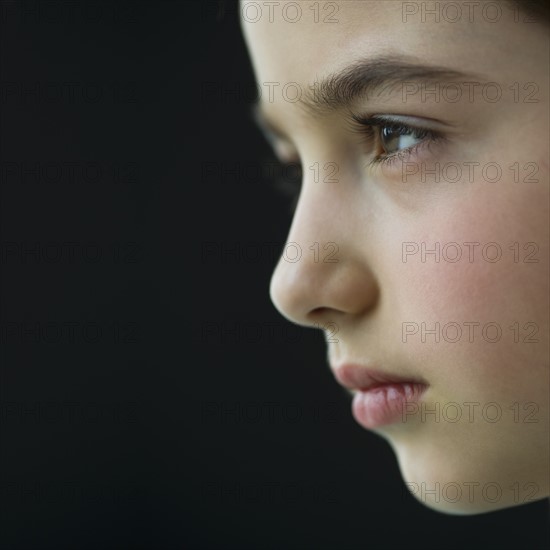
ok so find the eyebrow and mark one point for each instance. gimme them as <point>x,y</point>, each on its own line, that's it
<point>361,80</point>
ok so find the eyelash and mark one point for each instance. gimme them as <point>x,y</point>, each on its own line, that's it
<point>370,129</point>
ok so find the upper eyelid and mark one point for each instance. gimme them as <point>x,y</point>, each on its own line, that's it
<point>422,123</point>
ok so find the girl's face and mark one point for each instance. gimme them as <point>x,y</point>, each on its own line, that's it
<point>423,226</point>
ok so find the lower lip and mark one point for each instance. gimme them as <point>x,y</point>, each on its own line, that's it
<point>385,404</point>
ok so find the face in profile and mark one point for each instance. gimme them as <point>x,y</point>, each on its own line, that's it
<point>420,237</point>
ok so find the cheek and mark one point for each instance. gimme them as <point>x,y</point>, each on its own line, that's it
<point>477,314</point>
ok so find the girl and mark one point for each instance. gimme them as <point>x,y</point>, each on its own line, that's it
<point>420,238</point>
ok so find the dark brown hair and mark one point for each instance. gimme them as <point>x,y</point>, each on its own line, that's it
<point>537,9</point>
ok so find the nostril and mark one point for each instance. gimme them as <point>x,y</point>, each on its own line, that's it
<point>319,315</point>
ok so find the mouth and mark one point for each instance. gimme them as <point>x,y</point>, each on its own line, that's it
<point>379,398</point>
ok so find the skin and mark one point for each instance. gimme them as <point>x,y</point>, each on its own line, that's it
<point>370,212</point>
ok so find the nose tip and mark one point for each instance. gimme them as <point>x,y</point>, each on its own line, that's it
<point>309,292</point>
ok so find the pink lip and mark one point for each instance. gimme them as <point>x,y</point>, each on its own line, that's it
<point>380,398</point>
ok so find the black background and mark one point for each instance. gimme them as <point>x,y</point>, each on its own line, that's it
<point>150,394</point>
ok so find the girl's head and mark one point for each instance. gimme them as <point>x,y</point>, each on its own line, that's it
<point>421,235</point>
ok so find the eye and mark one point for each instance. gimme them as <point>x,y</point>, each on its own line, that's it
<point>388,138</point>
<point>396,138</point>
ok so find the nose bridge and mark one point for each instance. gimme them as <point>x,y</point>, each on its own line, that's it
<point>315,223</point>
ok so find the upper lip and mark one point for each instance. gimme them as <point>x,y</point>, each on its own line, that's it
<point>357,377</point>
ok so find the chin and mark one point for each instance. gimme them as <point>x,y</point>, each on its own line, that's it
<point>466,508</point>
<point>462,484</point>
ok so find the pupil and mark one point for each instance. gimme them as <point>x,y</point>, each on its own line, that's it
<point>390,138</point>
<point>387,133</point>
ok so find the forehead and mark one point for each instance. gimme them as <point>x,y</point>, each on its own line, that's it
<point>303,41</point>
<point>315,41</point>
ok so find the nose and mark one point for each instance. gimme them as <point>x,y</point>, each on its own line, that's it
<point>324,273</point>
